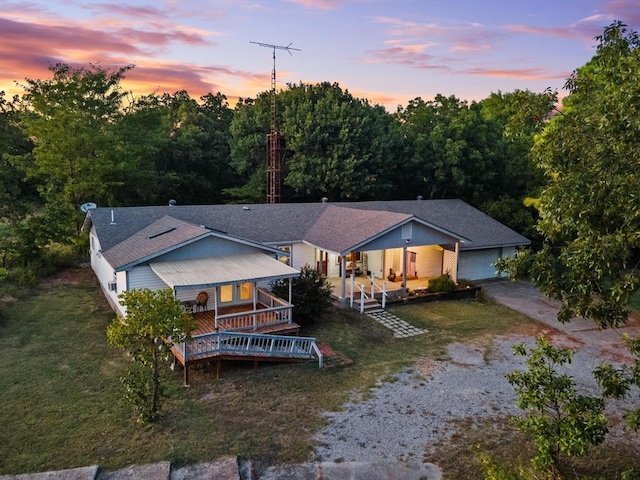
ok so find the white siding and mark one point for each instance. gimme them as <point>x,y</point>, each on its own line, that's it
<point>303,254</point>
<point>333,267</point>
<point>428,261</point>
<point>375,262</point>
<point>103,270</point>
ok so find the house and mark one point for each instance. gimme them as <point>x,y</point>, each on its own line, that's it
<point>220,259</point>
<point>233,251</point>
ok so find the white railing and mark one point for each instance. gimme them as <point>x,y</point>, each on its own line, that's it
<point>254,319</point>
<point>363,292</point>
<point>269,299</point>
<point>251,344</point>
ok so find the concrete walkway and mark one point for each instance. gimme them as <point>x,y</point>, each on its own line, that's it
<point>229,468</point>
<point>524,297</point>
<point>400,328</point>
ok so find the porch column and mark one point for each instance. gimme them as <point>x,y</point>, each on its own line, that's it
<point>343,277</point>
<point>454,274</point>
<point>254,294</point>
<point>404,267</point>
<point>289,312</point>
<point>215,306</point>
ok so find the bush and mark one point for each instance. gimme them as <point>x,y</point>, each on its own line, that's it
<point>310,292</point>
<point>441,284</point>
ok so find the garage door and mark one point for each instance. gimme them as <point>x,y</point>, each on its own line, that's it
<point>477,264</point>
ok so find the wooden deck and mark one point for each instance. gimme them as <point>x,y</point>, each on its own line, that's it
<point>244,346</point>
<point>266,322</point>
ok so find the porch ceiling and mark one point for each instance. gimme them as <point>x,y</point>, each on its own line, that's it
<point>211,272</point>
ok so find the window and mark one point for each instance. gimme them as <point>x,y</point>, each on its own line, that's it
<point>245,291</point>
<point>286,259</point>
<point>226,293</point>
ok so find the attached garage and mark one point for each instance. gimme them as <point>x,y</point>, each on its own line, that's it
<point>478,264</point>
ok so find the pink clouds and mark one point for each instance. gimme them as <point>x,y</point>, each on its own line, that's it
<point>321,4</point>
<point>519,73</point>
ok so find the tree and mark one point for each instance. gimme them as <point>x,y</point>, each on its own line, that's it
<point>70,119</point>
<point>561,422</point>
<point>451,150</point>
<point>337,146</point>
<point>590,209</point>
<point>310,292</point>
<point>155,321</point>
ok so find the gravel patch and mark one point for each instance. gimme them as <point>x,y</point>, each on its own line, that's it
<point>424,405</point>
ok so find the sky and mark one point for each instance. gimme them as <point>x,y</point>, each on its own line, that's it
<point>388,52</point>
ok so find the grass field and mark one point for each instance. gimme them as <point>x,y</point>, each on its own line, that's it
<point>61,397</point>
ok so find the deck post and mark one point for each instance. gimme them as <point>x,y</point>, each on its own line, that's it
<point>255,306</point>
<point>215,306</point>
<point>384,294</point>
<point>373,279</point>
<point>351,295</point>
<point>404,267</point>
<point>289,311</point>
<point>218,368</point>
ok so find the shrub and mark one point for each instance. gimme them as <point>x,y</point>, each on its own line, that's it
<point>310,292</point>
<point>441,284</point>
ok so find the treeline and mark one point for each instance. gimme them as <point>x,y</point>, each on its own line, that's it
<point>78,137</point>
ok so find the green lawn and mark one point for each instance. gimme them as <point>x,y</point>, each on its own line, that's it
<point>61,397</point>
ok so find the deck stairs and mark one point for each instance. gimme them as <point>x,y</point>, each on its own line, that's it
<point>249,345</point>
<point>370,305</point>
<point>363,297</point>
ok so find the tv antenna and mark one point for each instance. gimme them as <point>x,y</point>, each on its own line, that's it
<point>275,142</point>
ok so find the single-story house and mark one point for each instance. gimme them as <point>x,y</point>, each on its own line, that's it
<point>232,252</point>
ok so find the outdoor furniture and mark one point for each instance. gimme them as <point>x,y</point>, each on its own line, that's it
<point>201,301</point>
<point>189,304</point>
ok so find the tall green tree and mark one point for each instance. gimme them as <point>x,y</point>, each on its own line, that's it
<point>155,321</point>
<point>70,121</point>
<point>520,115</point>
<point>451,151</point>
<point>340,147</point>
<point>590,209</point>
<point>337,146</point>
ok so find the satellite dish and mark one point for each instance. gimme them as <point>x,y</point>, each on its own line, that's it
<point>87,206</point>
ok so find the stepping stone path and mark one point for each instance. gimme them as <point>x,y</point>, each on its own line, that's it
<point>400,328</point>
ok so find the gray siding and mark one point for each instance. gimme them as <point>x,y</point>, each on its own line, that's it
<point>143,277</point>
<point>207,248</point>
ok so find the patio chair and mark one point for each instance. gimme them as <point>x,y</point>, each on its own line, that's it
<point>201,301</point>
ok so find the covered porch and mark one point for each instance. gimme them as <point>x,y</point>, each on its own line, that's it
<point>226,294</point>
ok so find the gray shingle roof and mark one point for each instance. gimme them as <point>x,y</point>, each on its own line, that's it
<point>161,235</point>
<point>337,228</point>
<point>327,225</point>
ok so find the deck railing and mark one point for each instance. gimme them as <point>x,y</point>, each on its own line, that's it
<point>251,344</point>
<point>269,299</point>
<point>363,292</point>
<point>254,319</point>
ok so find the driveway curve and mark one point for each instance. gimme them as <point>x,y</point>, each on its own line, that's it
<point>524,297</point>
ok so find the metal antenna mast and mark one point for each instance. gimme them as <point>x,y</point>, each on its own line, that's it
<point>275,142</point>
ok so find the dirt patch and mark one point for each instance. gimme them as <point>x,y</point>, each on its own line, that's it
<point>70,276</point>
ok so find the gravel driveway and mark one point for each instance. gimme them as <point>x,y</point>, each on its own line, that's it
<point>427,403</point>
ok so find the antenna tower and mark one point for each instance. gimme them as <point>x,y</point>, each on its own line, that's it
<point>275,142</point>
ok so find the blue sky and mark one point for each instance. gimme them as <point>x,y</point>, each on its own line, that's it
<point>386,51</point>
